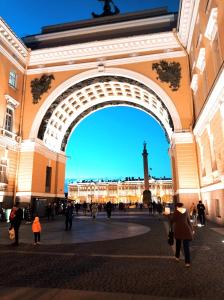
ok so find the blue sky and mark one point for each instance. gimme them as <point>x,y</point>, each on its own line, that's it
<point>109,142</point>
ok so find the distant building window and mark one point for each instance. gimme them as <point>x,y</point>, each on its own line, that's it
<point>9,119</point>
<point>12,79</point>
<point>217,208</point>
<point>48,179</point>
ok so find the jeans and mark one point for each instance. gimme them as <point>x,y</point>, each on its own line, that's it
<point>201,217</point>
<point>68,223</point>
<point>186,249</point>
<point>36,237</point>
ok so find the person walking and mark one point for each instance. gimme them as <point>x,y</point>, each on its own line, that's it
<point>193,214</point>
<point>108,209</point>
<point>183,231</point>
<point>28,214</point>
<point>36,228</point>
<point>48,210</point>
<point>201,213</point>
<point>94,210</point>
<point>69,216</point>
<point>84,206</point>
<point>16,222</point>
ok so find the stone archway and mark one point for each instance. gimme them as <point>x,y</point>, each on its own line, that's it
<point>92,90</point>
<point>81,95</point>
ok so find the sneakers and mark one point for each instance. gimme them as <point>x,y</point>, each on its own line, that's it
<point>177,258</point>
<point>187,265</point>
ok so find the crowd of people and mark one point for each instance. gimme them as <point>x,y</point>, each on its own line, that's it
<point>182,221</point>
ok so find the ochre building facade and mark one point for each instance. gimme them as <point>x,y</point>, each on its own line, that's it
<point>125,191</point>
<point>166,64</point>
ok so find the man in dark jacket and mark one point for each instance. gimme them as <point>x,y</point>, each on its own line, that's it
<point>69,216</point>
<point>16,222</point>
<point>201,212</point>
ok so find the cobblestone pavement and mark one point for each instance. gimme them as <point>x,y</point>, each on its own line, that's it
<point>137,267</point>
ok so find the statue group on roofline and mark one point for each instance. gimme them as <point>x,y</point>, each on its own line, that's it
<point>109,9</point>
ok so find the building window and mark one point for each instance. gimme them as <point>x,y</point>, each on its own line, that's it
<point>12,79</point>
<point>217,208</point>
<point>48,179</point>
<point>216,53</point>
<point>3,171</point>
<point>9,119</point>
<point>205,83</point>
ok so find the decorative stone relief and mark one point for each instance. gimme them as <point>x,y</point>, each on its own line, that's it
<point>39,86</point>
<point>169,72</point>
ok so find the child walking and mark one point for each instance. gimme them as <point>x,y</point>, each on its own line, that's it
<point>36,228</point>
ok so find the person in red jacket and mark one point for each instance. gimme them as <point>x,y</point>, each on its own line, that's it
<point>36,228</point>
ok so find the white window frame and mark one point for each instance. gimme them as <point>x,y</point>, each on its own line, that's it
<point>201,60</point>
<point>11,105</point>
<point>12,79</point>
<point>212,26</point>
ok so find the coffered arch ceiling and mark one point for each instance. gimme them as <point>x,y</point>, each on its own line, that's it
<point>76,99</point>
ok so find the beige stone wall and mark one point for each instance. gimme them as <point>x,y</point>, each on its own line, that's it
<point>24,183</point>
<point>214,51</point>
<point>210,201</point>
<point>186,166</point>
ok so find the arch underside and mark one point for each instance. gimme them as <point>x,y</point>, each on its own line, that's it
<point>89,95</point>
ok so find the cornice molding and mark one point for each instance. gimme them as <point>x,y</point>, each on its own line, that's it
<point>11,144</point>
<point>213,187</point>
<point>49,195</point>
<point>101,28</point>
<point>99,49</point>
<point>185,20</point>
<point>192,24</point>
<point>213,104</point>
<point>108,62</point>
<point>187,191</point>
<point>12,41</point>
<point>12,59</point>
<point>11,101</point>
<point>36,145</point>
<point>182,138</point>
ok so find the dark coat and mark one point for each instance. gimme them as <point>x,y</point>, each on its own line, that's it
<point>18,218</point>
<point>181,225</point>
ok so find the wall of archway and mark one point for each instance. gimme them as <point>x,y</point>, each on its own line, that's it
<point>91,88</point>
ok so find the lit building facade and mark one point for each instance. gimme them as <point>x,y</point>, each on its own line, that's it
<point>127,191</point>
<point>51,81</point>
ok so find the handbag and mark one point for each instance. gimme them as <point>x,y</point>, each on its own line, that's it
<point>11,233</point>
<point>171,237</point>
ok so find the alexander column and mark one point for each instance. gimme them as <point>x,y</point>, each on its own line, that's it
<point>146,193</point>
